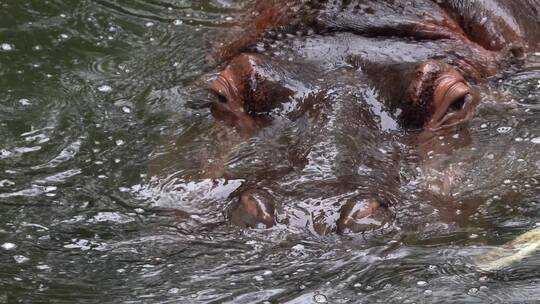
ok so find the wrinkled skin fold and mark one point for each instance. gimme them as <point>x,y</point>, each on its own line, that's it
<point>309,64</point>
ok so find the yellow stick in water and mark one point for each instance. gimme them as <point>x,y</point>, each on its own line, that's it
<point>509,253</point>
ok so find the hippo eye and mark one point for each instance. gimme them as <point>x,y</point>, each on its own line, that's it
<point>457,105</point>
<point>221,98</point>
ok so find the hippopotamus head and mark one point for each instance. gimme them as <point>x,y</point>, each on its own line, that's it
<point>421,57</point>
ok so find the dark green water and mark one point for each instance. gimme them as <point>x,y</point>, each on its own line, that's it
<point>104,118</point>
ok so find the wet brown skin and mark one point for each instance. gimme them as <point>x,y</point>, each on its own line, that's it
<point>435,94</point>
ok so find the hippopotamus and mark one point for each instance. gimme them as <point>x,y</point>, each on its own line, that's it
<point>342,74</point>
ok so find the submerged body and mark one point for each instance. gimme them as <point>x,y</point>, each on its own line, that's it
<point>349,76</point>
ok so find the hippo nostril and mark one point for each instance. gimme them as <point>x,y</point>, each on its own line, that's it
<point>253,209</point>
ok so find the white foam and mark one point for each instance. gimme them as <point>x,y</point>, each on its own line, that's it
<point>104,88</point>
<point>8,246</point>
<point>6,47</point>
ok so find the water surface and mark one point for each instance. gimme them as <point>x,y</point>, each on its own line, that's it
<point>104,119</point>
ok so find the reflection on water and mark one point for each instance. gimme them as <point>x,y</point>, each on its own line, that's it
<point>106,137</point>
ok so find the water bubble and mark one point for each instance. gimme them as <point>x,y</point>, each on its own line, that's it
<point>119,142</point>
<point>473,290</point>
<point>64,36</point>
<point>504,130</point>
<point>149,24</point>
<point>536,140</point>
<point>8,246</point>
<point>6,47</point>
<point>178,22</point>
<point>104,88</point>
<point>43,267</point>
<point>421,283</point>
<point>483,126</point>
<point>50,188</point>
<point>126,109</point>
<point>24,102</point>
<point>298,250</point>
<point>428,292</point>
<point>174,290</point>
<point>6,183</point>
<point>320,298</point>
<point>19,259</point>
<point>123,189</point>
<point>298,247</point>
<point>258,278</point>
<point>229,18</point>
